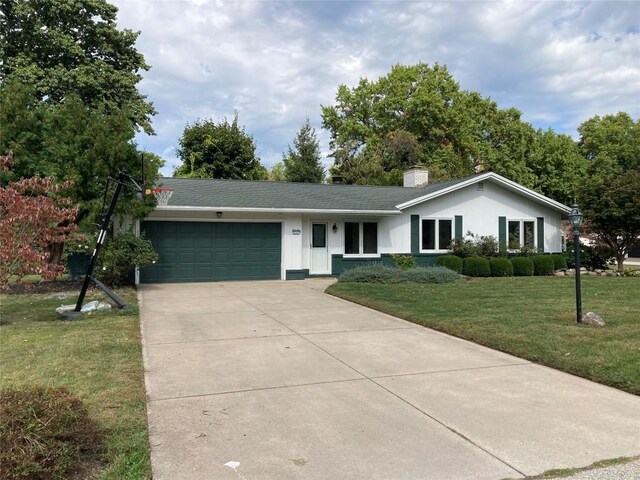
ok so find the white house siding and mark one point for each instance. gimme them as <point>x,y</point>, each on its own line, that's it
<point>480,211</point>
<point>293,244</point>
<point>395,234</point>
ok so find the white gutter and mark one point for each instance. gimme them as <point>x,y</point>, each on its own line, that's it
<point>175,208</point>
<point>489,176</point>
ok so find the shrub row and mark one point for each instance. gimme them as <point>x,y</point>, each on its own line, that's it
<point>378,273</point>
<point>522,266</point>
<point>452,262</point>
<point>502,266</point>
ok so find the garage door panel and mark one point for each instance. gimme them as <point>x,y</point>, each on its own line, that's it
<point>187,257</point>
<point>201,251</point>
<point>203,271</point>
<point>223,242</point>
<point>202,242</point>
<point>222,258</point>
<point>205,257</point>
<point>271,257</point>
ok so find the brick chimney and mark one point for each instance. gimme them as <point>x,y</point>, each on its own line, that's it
<point>416,177</point>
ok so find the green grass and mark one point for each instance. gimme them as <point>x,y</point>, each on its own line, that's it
<point>532,318</point>
<point>97,357</point>
<point>566,472</point>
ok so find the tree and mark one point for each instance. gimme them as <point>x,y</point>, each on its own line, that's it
<point>419,101</point>
<point>419,115</point>
<point>609,194</point>
<point>218,150</point>
<point>33,215</point>
<point>302,163</point>
<point>63,48</point>
<point>69,104</point>
<point>277,174</point>
<point>70,141</point>
<point>557,165</point>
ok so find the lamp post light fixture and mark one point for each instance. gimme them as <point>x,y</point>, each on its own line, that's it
<point>576,218</point>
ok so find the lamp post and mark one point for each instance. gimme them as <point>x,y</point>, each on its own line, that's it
<point>576,219</point>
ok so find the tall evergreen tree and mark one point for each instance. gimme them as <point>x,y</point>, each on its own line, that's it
<point>302,162</point>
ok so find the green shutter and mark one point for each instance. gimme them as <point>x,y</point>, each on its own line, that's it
<point>458,227</point>
<point>502,233</point>
<point>541,234</point>
<point>415,233</point>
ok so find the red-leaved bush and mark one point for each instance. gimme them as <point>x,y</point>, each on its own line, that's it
<point>33,215</point>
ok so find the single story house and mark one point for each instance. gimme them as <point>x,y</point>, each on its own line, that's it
<point>214,230</point>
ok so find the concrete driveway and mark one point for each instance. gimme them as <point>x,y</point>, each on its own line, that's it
<point>276,380</point>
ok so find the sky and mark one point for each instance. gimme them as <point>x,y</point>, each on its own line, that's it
<point>275,63</point>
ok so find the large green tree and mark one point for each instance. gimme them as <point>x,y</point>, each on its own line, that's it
<point>69,103</point>
<point>218,150</point>
<point>302,162</point>
<point>557,165</point>
<point>419,115</point>
<point>610,193</point>
<point>66,48</point>
<point>70,141</point>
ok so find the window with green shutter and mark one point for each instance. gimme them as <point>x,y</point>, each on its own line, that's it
<point>519,234</point>
<point>436,234</point>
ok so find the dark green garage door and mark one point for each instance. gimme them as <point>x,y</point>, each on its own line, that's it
<point>205,252</point>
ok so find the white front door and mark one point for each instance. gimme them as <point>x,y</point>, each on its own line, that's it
<point>319,249</point>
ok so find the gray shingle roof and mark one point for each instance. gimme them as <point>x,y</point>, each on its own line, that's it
<point>192,192</point>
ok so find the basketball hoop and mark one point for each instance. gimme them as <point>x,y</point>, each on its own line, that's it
<point>162,194</point>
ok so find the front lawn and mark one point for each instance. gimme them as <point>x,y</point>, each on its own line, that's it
<point>532,318</point>
<point>97,357</point>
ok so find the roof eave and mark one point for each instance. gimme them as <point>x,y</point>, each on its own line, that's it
<point>511,185</point>
<point>176,208</point>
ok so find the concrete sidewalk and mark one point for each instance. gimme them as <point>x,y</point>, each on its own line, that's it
<point>276,380</point>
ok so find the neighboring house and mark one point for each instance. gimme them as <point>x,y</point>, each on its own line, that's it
<point>214,230</point>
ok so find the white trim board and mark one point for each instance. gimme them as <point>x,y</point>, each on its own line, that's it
<point>510,185</point>
<point>175,208</point>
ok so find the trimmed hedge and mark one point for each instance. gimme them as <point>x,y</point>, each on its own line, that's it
<point>522,266</point>
<point>559,262</point>
<point>378,273</point>
<point>543,265</point>
<point>501,267</point>
<point>476,267</point>
<point>45,433</point>
<point>452,262</point>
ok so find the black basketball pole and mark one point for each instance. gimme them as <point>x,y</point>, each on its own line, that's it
<point>122,177</point>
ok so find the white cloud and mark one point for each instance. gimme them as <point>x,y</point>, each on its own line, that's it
<point>275,63</point>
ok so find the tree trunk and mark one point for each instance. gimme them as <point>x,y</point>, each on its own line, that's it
<point>55,253</point>
<point>620,260</point>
